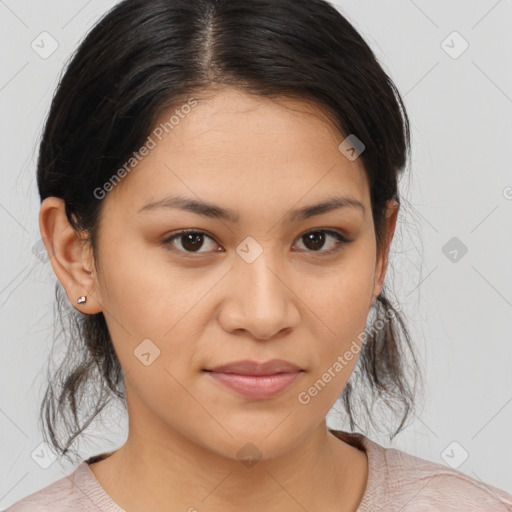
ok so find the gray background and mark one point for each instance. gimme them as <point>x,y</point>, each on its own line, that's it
<point>459,185</point>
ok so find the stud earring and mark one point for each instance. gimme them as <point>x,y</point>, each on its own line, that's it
<point>81,299</point>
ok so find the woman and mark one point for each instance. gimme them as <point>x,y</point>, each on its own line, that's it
<point>219,195</point>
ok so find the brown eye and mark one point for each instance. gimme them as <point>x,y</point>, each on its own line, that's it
<point>192,241</point>
<point>189,240</point>
<point>316,240</point>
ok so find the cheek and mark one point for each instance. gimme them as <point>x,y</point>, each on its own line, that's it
<point>162,391</point>
<point>341,302</point>
<point>135,294</point>
<point>154,301</point>
<point>342,297</point>
<point>135,282</point>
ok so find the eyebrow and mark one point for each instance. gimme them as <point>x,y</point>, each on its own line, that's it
<point>210,210</point>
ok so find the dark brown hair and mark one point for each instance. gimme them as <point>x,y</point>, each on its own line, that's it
<point>145,56</point>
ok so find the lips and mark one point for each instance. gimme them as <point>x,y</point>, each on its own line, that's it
<point>248,367</point>
<point>254,380</point>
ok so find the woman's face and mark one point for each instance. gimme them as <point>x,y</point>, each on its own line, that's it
<point>255,288</point>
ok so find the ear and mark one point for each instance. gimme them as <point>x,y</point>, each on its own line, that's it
<point>70,256</point>
<point>382,260</point>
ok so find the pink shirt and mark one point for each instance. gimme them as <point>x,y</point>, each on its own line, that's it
<point>397,481</point>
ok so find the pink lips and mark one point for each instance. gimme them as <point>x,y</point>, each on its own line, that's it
<point>256,380</point>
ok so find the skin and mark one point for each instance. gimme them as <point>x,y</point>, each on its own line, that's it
<point>261,158</point>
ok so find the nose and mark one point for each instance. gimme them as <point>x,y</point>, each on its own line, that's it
<point>260,298</point>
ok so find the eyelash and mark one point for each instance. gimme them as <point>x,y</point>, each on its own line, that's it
<point>341,241</point>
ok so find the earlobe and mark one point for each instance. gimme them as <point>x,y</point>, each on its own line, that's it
<point>66,252</point>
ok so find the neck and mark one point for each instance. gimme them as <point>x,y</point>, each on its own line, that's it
<point>160,469</point>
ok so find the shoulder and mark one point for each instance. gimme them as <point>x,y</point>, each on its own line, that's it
<point>65,494</point>
<point>420,485</point>
<point>399,481</point>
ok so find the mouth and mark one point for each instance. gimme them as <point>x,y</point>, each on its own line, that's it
<point>256,387</point>
<point>249,367</point>
<point>254,380</point>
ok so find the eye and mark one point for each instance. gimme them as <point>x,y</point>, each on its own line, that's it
<point>315,240</point>
<point>189,241</point>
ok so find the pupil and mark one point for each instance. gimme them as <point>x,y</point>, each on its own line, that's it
<point>312,236</point>
<point>191,240</point>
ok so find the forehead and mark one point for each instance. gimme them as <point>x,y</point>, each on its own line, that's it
<point>243,150</point>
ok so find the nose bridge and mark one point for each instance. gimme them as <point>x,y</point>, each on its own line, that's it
<point>262,303</point>
<point>256,269</point>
